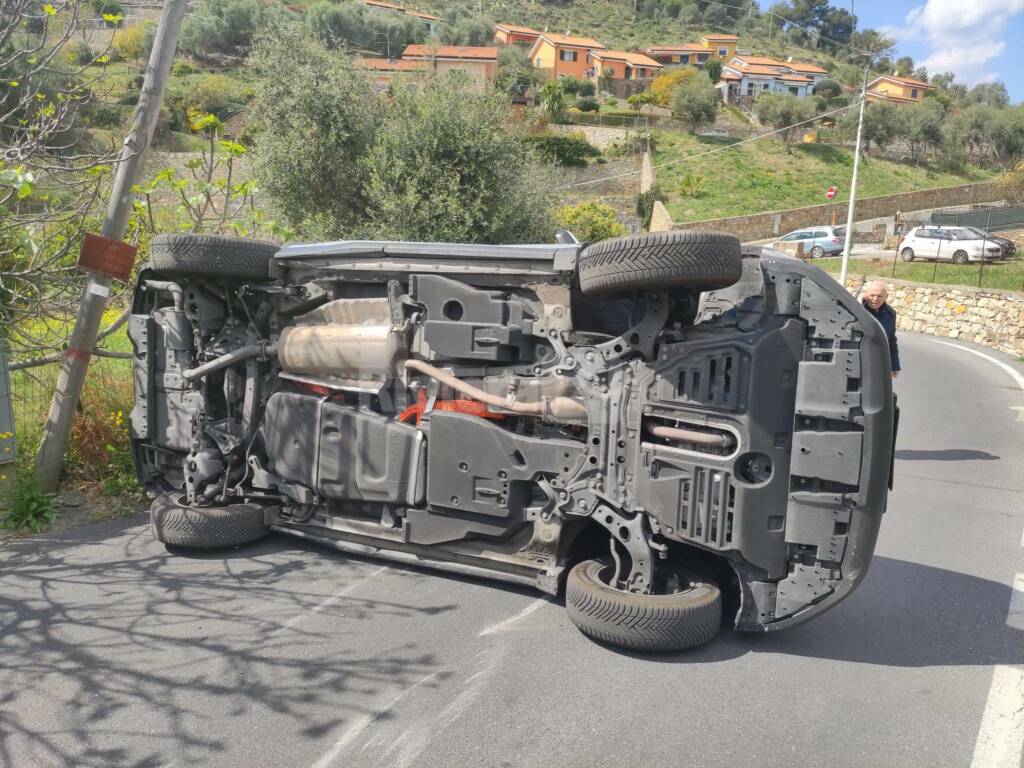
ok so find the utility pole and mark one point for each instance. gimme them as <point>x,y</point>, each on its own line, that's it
<point>848,242</point>
<point>97,288</point>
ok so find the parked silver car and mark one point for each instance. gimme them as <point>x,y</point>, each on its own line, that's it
<point>817,241</point>
<point>956,244</point>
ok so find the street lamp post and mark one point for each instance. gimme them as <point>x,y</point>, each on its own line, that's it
<point>848,242</point>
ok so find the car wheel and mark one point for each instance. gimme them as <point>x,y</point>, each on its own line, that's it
<point>672,622</point>
<point>817,252</point>
<point>907,254</point>
<point>212,256</point>
<point>960,257</point>
<point>656,261</point>
<point>174,522</point>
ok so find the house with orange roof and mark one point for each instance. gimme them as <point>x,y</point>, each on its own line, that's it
<point>478,63</point>
<point>744,78</point>
<point>713,46</point>
<point>897,90</point>
<point>563,55</point>
<point>429,20</point>
<point>622,65</point>
<point>381,72</point>
<point>511,34</point>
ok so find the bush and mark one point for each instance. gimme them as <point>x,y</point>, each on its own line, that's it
<point>222,26</point>
<point>665,84</point>
<point>587,105</point>
<point>27,507</point>
<point>182,69</point>
<point>446,166</point>
<point>587,88</point>
<point>103,116</point>
<point>696,102</point>
<point>79,53</point>
<point>570,149</point>
<point>692,185</point>
<point>645,203</point>
<point>590,221</point>
<point>130,98</point>
<point>108,7</point>
<point>216,95</point>
<point>130,43</point>
<point>571,84</point>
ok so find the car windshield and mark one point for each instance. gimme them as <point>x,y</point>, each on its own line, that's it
<point>840,231</point>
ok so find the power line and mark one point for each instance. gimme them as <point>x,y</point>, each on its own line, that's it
<point>716,149</point>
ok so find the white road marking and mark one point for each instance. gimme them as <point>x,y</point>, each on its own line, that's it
<point>504,624</point>
<point>299,618</point>
<point>1014,373</point>
<point>1015,618</point>
<point>1000,742</point>
<point>1001,737</point>
<point>361,723</point>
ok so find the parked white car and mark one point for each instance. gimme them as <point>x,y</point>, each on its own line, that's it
<point>955,244</point>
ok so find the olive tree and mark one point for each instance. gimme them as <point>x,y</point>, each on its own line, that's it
<point>447,166</point>
<point>784,113</point>
<point>695,102</point>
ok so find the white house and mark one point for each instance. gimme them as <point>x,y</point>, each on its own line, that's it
<point>744,78</point>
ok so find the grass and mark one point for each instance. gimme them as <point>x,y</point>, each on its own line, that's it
<point>1007,275</point>
<point>762,176</point>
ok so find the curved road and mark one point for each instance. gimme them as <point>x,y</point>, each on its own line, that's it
<point>115,652</point>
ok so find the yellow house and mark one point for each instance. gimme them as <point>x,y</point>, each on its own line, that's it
<point>710,47</point>
<point>896,90</point>
<point>562,55</point>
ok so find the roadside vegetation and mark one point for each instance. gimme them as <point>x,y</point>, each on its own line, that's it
<point>1008,275</point>
<point>767,175</point>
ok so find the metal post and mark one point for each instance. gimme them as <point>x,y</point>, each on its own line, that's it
<point>848,241</point>
<point>94,297</point>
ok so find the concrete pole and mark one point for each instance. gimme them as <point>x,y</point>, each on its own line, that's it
<point>848,242</point>
<point>94,297</point>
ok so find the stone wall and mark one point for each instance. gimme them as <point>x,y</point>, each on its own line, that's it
<point>660,220</point>
<point>647,176</point>
<point>984,316</point>
<point>760,226</point>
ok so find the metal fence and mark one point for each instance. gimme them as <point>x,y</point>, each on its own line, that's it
<point>990,219</point>
<point>607,121</point>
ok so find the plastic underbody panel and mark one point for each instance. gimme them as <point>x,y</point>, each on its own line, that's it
<point>784,367</point>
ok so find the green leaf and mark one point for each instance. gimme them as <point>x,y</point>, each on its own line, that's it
<point>49,10</point>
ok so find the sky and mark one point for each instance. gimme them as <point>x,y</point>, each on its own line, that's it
<point>977,40</point>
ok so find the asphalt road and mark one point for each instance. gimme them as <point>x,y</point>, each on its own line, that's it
<point>115,652</point>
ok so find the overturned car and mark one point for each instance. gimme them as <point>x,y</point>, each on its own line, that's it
<point>661,426</point>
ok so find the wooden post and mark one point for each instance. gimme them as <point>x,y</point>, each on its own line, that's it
<point>94,297</point>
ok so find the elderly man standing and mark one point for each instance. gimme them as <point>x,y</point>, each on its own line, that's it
<point>875,294</point>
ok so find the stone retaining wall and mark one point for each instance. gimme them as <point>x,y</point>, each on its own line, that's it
<point>984,316</point>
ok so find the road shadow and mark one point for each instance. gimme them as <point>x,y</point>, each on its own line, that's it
<point>115,651</point>
<point>946,454</point>
<point>903,615</point>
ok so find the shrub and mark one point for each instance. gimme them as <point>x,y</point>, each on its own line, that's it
<point>692,185</point>
<point>587,88</point>
<point>590,221</point>
<point>108,7</point>
<point>696,102</point>
<point>80,53</point>
<point>130,98</point>
<point>222,26</point>
<point>645,203</point>
<point>129,42</point>
<point>664,84</point>
<point>571,84</point>
<point>215,95</point>
<point>587,105</point>
<point>182,69</point>
<point>27,507</point>
<point>103,116</point>
<point>570,149</point>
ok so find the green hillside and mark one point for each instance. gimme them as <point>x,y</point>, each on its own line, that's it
<point>762,176</point>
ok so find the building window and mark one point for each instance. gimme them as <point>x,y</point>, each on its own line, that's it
<point>537,63</point>
<point>794,90</point>
<point>684,59</point>
<point>913,93</point>
<point>567,55</point>
<point>702,57</point>
<point>723,52</point>
<point>765,87</point>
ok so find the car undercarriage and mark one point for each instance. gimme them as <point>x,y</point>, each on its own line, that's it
<point>659,426</point>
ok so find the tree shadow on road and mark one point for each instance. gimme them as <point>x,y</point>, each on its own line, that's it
<point>903,615</point>
<point>114,651</point>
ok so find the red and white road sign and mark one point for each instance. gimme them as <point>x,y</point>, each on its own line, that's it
<point>830,192</point>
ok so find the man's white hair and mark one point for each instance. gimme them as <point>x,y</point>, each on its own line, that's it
<point>875,284</point>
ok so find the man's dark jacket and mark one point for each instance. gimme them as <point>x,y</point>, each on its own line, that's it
<point>886,317</point>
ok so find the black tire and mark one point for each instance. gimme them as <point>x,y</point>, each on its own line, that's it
<point>212,256</point>
<point>641,622</point>
<point>659,260</point>
<point>960,257</point>
<point>907,254</point>
<point>817,252</point>
<point>176,524</point>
